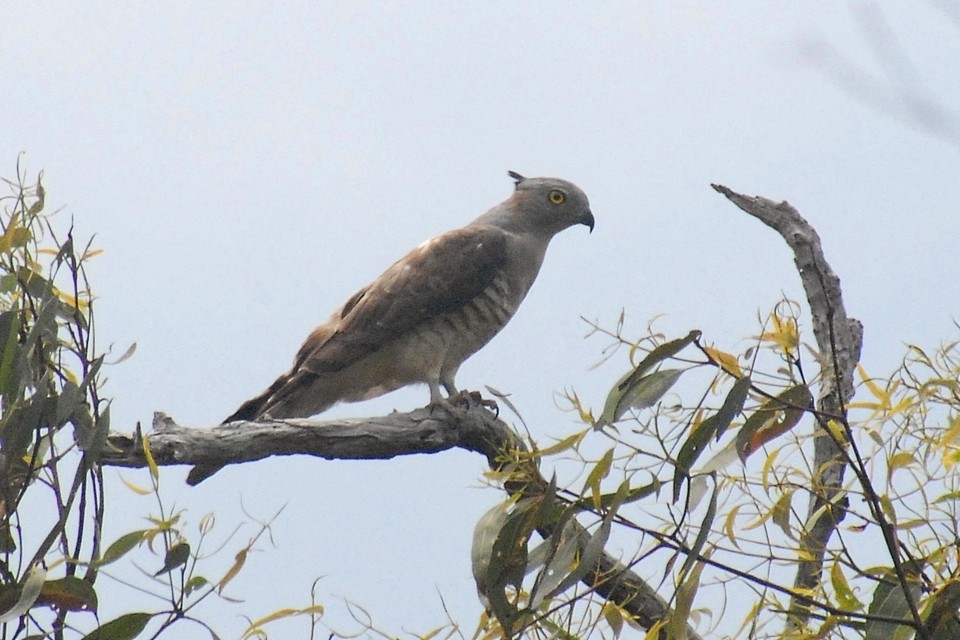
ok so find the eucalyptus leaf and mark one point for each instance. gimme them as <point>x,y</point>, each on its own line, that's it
<point>773,418</point>
<point>126,627</point>
<point>559,563</point>
<point>176,556</point>
<point>890,601</point>
<point>642,392</point>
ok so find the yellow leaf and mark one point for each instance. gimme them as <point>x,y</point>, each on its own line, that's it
<point>872,386</point>
<point>841,588</point>
<point>768,469</point>
<point>761,518</point>
<point>430,635</point>
<point>613,616</point>
<point>726,360</point>
<point>654,632</point>
<point>728,526</point>
<point>151,463</point>
<point>785,333</point>
<point>570,442</point>
<point>137,489</point>
<point>598,473</point>
<point>835,428</point>
<point>238,563</point>
<point>781,513</point>
<point>887,506</point>
<point>280,614</point>
<point>900,460</point>
<point>950,443</point>
<point>206,523</point>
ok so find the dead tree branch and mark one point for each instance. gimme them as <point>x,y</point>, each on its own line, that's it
<point>839,340</point>
<point>421,431</point>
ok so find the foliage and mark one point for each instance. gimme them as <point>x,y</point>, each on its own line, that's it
<point>53,424</point>
<point>49,380</point>
<point>709,498</point>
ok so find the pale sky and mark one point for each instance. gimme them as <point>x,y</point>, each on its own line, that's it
<point>246,166</point>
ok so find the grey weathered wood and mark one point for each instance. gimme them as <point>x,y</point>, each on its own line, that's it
<point>839,340</point>
<point>421,431</point>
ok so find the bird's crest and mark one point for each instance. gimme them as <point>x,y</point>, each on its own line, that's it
<point>516,176</point>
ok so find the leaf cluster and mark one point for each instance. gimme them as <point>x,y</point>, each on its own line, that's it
<point>727,538</point>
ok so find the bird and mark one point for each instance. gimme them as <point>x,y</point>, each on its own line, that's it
<point>427,313</point>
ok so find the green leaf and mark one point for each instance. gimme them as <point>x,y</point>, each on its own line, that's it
<point>732,405</point>
<point>41,193</point>
<point>772,419</point>
<point>686,594</point>
<point>485,533</point>
<point>655,357</point>
<point>712,427</point>
<point>702,535</point>
<point>593,548</point>
<point>643,392</point>
<point>638,390</point>
<point>29,592</point>
<point>597,474</point>
<point>121,546</point>
<point>889,601</point>
<point>20,423</point>
<point>499,554</point>
<point>694,445</point>
<point>942,619</point>
<point>9,330</point>
<point>176,556</point>
<point>8,283</point>
<point>68,402</point>
<point>846,598</point>
<point>7,543</point>
<point>194,583</point>
<point>69,594</point>
<point>562,548</point>
<point>126,627</point>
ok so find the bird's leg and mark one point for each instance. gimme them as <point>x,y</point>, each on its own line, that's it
<point>437,399</point>
<point>454,395</point>
<point>468,399</point>
<point>447,382</point>
<point>435,396</point>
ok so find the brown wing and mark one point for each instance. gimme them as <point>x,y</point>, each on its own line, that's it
<point>438,277</point>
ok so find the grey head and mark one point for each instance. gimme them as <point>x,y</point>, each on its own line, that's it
<point>541,206</point>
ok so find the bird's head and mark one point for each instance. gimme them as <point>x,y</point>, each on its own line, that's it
<point>549,204</point>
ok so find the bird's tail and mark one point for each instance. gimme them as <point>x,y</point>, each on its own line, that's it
<point>292,395</point>
<point>255,407</point>
<point>248,411</point>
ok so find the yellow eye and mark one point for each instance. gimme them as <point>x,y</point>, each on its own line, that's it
<point>557,197</point>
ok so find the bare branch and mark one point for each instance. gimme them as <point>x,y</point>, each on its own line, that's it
<point>379,438</point>
<point>839,340</point>
<point>421,431</point>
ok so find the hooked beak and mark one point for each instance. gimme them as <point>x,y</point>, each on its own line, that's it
<point>587,219</point>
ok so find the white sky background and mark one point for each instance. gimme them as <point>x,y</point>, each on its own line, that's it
<point>247,166</point>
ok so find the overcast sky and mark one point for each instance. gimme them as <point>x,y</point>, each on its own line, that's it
<point>246,166</point>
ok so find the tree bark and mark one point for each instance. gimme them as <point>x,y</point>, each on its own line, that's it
<point>422,431</point>
<point>839,340</point>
